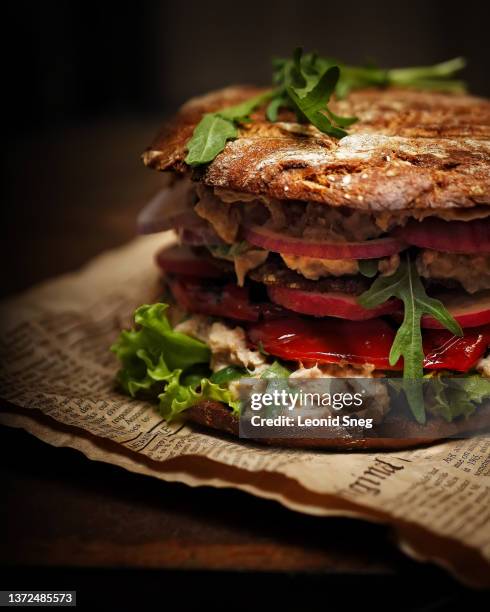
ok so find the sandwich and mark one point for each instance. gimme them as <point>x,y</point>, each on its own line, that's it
<point>334,225</point>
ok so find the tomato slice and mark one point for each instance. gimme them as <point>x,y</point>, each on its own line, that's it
<point>359,342</point>
<point>332,303</point>
<point>228,301</point>
<point>327,340</point>
<point>181,260</point>
<point>448,236</point>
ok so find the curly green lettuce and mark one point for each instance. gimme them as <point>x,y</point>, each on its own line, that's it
<point>455,397</point>
<point>172,368</point>
<point>163,364</point>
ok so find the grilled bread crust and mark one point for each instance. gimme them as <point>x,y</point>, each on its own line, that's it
<point>397,434</point>
<point>410,150</point>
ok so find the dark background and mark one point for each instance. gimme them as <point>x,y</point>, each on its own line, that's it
<point>85,86</point>
<point>74,60</point>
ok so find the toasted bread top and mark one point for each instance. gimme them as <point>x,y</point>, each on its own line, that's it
<point>409,150</point>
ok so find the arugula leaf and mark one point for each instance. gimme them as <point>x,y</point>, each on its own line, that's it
<point>280,101</point>
<point>277,377</point>
<point>406,285</point>
<point>228,374</point>
<point>368,267</point>
<point>209,139</point>
<point>241,111</point>
<point>313,104</point>
<point>341,121</point>
<point>276,370</point>
<point>215,129</point>
<point>437,77</point>
<point>307,85</point>
<point>230,251</point>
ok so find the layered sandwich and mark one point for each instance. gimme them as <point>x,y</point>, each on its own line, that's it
<point>333,225</point>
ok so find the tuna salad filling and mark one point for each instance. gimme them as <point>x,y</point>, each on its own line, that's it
<point>226,216</point>
<point>263,288</point>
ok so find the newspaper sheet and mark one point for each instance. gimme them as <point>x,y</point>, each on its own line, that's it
<point>57,369</point>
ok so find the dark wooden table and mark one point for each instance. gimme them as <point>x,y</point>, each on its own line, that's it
<point>128,539</point>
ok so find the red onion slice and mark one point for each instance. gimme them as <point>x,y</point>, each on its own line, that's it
<point>289,245</point>
<point>170,208</point>
<point>468,310</point>
<point>448,236</point>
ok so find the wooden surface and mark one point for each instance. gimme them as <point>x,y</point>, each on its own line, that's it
<point>72,195</point>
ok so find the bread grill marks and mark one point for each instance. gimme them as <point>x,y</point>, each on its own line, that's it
<point>409,150</point>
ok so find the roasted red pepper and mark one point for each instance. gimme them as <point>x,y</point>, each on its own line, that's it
<point>358,342</point>
<point>228,301</point>
<point>326,340</point>
<point>445,351</point>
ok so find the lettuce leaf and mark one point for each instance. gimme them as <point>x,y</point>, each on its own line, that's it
<point>162,364</point>
<point>150,354</point>
<point>178,397</point>
<point>456,397</point>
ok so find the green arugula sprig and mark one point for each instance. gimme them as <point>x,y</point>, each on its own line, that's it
<point>215,129</point>
<point>368,267</point>
<point>305,87</point>
<point>406,285</point>
<point>436,77</point>
<point>304,84</point>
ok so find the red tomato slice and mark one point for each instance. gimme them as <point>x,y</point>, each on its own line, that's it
<point>181,260</point>
<point>228,301</point>
<point>333,304</point>
<point>449,236</point>
<point>326,340</point>
<point>358,342</point>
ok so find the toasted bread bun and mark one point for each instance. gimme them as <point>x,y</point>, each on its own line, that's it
<point>217,416</point>
<point>410,150</point>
